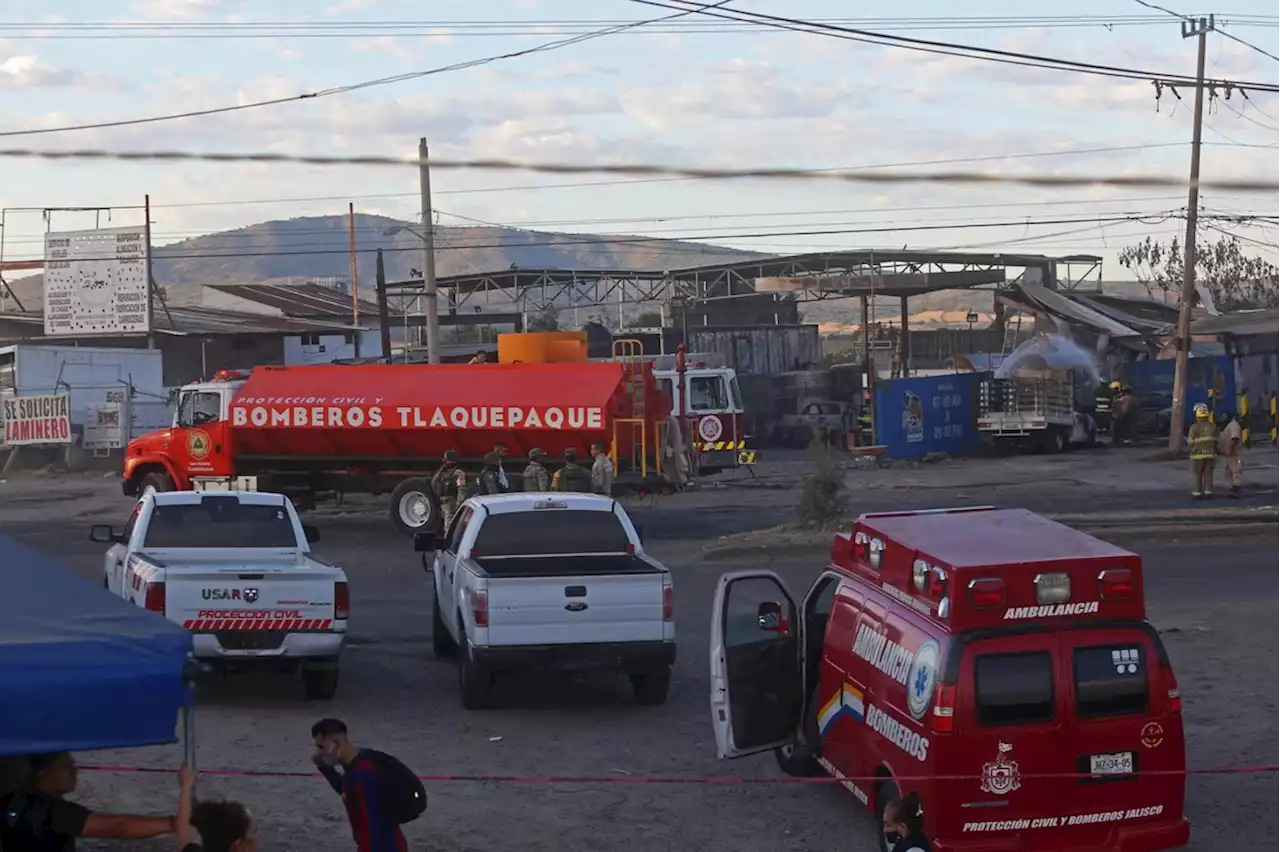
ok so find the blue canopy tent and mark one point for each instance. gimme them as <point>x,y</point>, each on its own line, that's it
<point>79,668</point>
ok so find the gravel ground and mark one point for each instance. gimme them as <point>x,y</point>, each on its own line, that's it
<point>1215,600</point>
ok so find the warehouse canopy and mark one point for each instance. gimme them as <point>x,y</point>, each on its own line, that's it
<point>79,668</point>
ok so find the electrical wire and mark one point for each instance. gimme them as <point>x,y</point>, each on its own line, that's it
<point>701,172</point>
<point>162,255</point>
<point>354,87</point>
<point>1222,32</point>
<point>1008,57</point>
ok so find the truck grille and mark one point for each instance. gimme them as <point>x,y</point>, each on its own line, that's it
<point>251,640</point>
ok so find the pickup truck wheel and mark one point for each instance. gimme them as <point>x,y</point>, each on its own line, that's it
<point>414,507</point>
<point>442,644</point>
<point>474,682</point>
<point>651,687</point>
<point>154,483</point>
<point>320,684</point>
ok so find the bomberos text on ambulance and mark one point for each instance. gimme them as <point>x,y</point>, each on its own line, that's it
<point>996,663</point>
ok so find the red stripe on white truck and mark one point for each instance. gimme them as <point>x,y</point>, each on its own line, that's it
<point>217,625</point>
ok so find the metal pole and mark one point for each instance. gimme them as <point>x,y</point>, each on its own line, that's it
<point>429,257</point>
<point>384,320</point>
<point>1200,29</point>
<point>151,283</point>
<point>355,275</point>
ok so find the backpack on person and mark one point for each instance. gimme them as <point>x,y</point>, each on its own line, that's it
<point>403,796</point>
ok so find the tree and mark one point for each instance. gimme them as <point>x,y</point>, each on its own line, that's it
<point>1235,280</point>
<point>546,319</point>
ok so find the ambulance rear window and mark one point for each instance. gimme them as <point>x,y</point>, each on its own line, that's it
<point>1013,689</point>
<point>1111,680</point>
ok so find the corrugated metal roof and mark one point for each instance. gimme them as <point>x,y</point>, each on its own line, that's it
<point>297,300</point>
<point>1240,323</point>
<point>192,321</point>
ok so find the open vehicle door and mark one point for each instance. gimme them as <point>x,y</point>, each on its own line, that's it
<point>756,683</point>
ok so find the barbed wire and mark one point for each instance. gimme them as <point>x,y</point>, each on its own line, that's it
<point>700,172</point>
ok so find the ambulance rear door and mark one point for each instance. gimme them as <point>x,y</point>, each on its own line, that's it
<point>1008,752</point>
<point>1126,739</point>
<point>757,682</point>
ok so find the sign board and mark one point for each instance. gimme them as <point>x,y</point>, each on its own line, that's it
<point>37,420</point>
<point>105,426</point>
<point>96,282</point>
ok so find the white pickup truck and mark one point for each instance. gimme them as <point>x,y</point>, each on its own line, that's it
<point>236,570</point>
<point>549,582</point>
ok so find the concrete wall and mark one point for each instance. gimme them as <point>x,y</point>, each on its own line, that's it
<point>325,348</point>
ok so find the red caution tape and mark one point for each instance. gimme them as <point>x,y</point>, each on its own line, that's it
<point>627,779</point>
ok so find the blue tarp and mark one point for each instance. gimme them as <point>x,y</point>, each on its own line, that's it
<point>79,668</point>
<point>1156,377</point>
<point>932,414</point>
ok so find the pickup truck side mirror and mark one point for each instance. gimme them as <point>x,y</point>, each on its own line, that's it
<point>769,617</point>
<point>424,542</point>
<point>103,534</point>
<point>311,533</point>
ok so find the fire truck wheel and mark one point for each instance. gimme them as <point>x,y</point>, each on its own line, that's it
<point>886,793</point>
<point>474,681</point>
<point>155,483</point>
<point>442,644</point>
<point>799,759</point>
<point>414,507</point>
<point>320,684</point>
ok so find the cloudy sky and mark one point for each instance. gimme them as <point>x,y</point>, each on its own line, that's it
<point>685,92</point>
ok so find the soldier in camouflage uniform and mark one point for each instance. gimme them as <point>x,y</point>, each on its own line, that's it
<point>535,476</point>
<point>489,481</point>
<point>573,476</point>
<point>445,484</point>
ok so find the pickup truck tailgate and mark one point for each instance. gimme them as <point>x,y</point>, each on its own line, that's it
<point>281,595</point>
<point>575,609</point>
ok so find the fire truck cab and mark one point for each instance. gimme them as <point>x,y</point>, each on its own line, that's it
<point>716,416</point>
<point>996,663</point>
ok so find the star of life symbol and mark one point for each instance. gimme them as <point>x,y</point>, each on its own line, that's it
<point>1001,776</point>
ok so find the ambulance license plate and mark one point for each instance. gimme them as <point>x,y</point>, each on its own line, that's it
<point>1120,763</point>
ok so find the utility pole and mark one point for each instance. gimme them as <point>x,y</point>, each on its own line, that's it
<point>384,319</point>
<point>1200,30</point>
<point>355,282</point>
<point>432,308</point>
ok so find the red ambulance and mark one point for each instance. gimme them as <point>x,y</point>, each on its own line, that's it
<point>995,662</point>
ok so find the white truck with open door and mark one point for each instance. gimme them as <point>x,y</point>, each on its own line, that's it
<point>549,582</point>
<point>235,569</point>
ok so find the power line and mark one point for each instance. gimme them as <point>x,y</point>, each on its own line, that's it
<point>701,172</point>
<point>162,255</point>
<point>1007,57</point>
<point>339,90</point>
<point>1219,23</point>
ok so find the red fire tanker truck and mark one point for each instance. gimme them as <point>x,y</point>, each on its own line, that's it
<point>317,432</point>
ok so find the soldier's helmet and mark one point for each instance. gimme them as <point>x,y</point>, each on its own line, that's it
<point>492,460</point>
<point>535,454</point>
<point>571,455</point>
<point>452,455</point>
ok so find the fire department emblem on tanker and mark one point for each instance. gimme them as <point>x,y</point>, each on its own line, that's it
<point>198,444</point>
<point>709,428</point>
<point>1001,775</point>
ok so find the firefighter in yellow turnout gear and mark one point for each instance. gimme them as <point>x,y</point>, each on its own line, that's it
<point>1202,442</point>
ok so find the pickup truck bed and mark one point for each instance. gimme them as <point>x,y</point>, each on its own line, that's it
<point>498,567</point>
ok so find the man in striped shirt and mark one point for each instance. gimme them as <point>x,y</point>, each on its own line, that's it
<point>360,785</point>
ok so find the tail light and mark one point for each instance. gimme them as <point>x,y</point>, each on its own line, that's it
<point>155,597</point>
<point>1171,690</point>
<point>480,608</point>
<point>944,709</point>
<point>668,608</point>
<point>341,600</point>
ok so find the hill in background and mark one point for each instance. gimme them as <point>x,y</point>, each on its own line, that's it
<point>316,247</point>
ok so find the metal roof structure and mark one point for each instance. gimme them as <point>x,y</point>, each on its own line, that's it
<point>1240,323</point>
<point>298,300</point>
<point>863,272</point>
<point>181,321</point>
